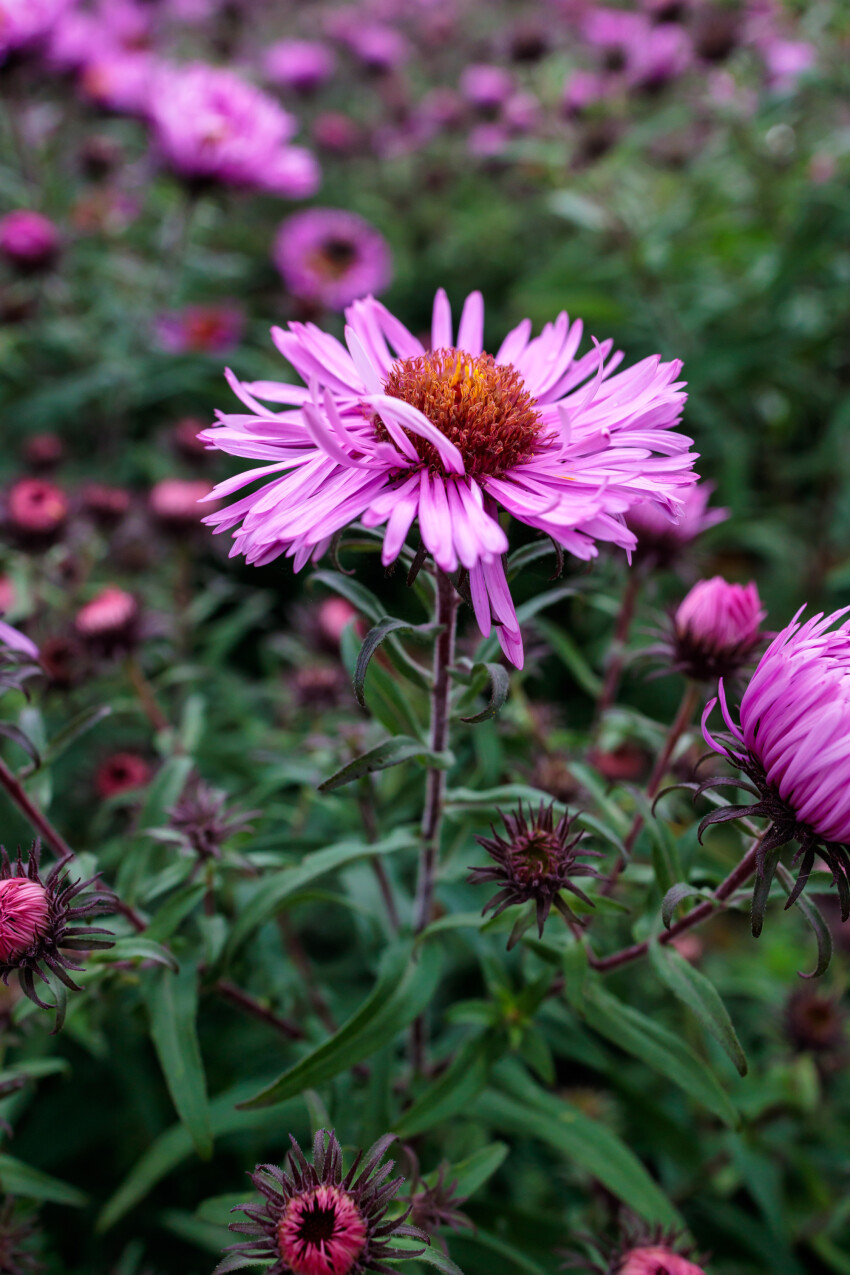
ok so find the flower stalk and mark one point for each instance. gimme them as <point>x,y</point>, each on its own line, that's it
<point>15,790</point>
<point>435,784</point>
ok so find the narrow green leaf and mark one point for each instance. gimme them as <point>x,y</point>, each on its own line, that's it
<point>172,1001</point>
<point>674,896</point>
<point>24,742</point>
<point>137,947</point>
<point>660,1049</point>
<point>269,895</point>
<point>452,1090</point>
<point>405,986</point>
<point>572,657</point>
<point>163,792</point>
<point>17,1178</point>
<point>170,916</point>
<point>73,730</point>
<point>813,915</point>
<point>761,889</point>
<point>432,1255</point>
<point>471,1174</point>
<point>700,996</point>
<point>392,752</point>
<point>500,685</point>
<point>373,639</point>
<point>586,1142</point>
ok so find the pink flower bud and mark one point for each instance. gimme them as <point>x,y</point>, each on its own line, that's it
<point>24,912</point>
<point>716,627</point>
<point>28,240</point>
<point>36,511</point>
<point>649,1261</point>
<point>174,502</point>
<point>111,616</point>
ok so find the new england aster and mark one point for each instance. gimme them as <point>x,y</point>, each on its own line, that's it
<point>792,745</point>
<point>315,1221</point>
<point>388,430</point>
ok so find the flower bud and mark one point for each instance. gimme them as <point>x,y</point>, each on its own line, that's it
<point>23,916</point>
<point>174,503</point>
<point>29,241</point>
<point>716,628</point>
<point>110,620</point>
<point>36,513</point>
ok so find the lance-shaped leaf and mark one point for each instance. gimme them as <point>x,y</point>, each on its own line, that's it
<point>462,1080</point>
<point>701,997</point>
<point>676,895</point>
<point>172,1001</point>
<point>17,1178</point>
<point>276,889</point>
<point>373,639</point>
<point>137,947</point>
<point>524,1109</point>
<point>406,983</point>
<point>500,685</point>
<point>392,752</point>
<point>813,915</point>
<point>660,1049</point>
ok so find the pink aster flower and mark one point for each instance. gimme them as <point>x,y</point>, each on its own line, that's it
<point>649,1261</point>
<point>300,65</point>
<point>24,911</point>
<point>640,1251</point>
<point>716,628</point>
<point>388,430</point>
<point>211,125</point>
<point>662,536</point>
<point>24,22</point>
<point>793,744</point>
<point>486,87</point>
<point>331,257</point>
<point>119,80</point>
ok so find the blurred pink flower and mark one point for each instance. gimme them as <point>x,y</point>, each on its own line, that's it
<point>201,329</point>
<point>122,772</point>
<point>583,89</point>
<point>17,641</point>
<point>649,1261</point>
<point>24,22</point>
<point>390,430</point>
<point>331,257</point>
<point>786,61</point>
<point>28,239</point>
<point>664,535</point>
<point>211,125</point>
<point>119,80</point>
<point>175,502</point>
<point>378,48</point>
<point>486,87</point>
<point>301,65</point>
<point>335,132</point>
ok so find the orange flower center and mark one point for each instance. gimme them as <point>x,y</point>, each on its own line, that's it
<point>480,405</point>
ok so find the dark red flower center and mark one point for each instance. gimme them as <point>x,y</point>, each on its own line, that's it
<point>321,1232</point>
<point>480,405</point>
<point>335,257</point>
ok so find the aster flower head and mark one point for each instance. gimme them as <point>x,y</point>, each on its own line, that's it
<point>105,505</point>
<point>175,505</point>
<point>330,257</point>
<point>36,513</point>
<point>662,537</point>
<point>388,431</point>
<point>300,65</point>
<point>120,773</point>
<point>436,1204</point>
<point>315,1221</point>
<point>39,930</point>
<point>24,23</point>
<point>205,821</point>
<point>211,125</point>
<point>536,859</point>
<point>716,629</point>
<point>29,240</point>
<point>791,742</point>
<point>486,87</point>
<point>110,621</point>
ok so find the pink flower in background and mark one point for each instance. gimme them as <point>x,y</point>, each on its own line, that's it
<point>663,536</point>
<point>211,125</point>
<point>521,113</point>
<point>378,48</point>
<point>201,329</point>
<point>331,257</point>
<point>36,512</point>
<point>24,22</point>
<point>583,89</point>
<point>390,430</point>
<point>119,80</point>
<point>716,628</point>
<point>28,239</point>
<point>301,65</point>
<point>174,502</point>
<point>335,133</point>
<point>110,619</point>
<point>661,54</point>
<point>122,772</point>
<point>486,87</point>
<point>786,61</point>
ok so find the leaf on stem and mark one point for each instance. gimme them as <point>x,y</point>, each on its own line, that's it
<point>392,752</point>
<point>701,997</point>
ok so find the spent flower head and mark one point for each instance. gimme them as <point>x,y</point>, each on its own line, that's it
<point>204,819</point>
<point>536,859</point>
<point>316,1221</point>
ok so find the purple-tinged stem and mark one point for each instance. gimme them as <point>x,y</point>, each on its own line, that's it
<point>27,807</point>
<point>230,992</point>
<point>681,722</point>
<point>435,784</point>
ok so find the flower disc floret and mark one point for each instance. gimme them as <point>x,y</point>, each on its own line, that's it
<point>480,406</point>
<point>793,744</point>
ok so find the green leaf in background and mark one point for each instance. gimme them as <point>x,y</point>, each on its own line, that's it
<point>172,1001</point>
<point>471,1174</point>
<point>500,685</point>
<point>174,911</point>
<point>572,657</point>
<point>462,1080</point>
<point>660,1049</point>
<point>268,896</point>
<point>137,947</point>
<point>392,752</point>
<point>700,995</point>
<point>522,1108</point>
<point>406,983</point>
<point>17,1178</point>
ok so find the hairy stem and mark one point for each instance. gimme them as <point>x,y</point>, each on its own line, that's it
<point>681,722</point>
<point>435,784</point>
<point>38,820</point>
